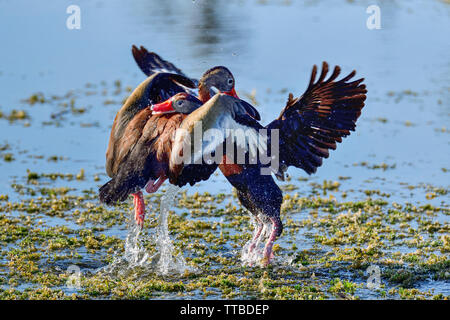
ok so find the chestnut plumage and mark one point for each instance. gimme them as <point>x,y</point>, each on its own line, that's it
<point>148,159</point>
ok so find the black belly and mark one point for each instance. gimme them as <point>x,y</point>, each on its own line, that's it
<point>258,193</point>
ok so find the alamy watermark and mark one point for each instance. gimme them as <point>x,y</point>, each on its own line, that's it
<point>374,20</point>
<point>74,280</point>
<point>374,279</point>
<point>74,20</point>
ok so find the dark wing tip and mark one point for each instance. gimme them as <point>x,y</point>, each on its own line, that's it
<point>150,62</point>
<point>312,124</point>
<point>251,110</point>
<point>313,77</point>
<point>180,79</point>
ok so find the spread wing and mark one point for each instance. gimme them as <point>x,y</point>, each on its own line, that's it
<point>203,133</point>
<point>150,63</point>
<point>311,125</point>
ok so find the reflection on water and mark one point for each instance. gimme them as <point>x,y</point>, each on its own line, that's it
<point>206,28</point>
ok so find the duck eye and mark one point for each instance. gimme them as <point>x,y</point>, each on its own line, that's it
<point>179,102</point>
<point>230,81</point>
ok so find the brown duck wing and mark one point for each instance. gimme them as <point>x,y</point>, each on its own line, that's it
<point>150,63</point>
<point>148,159</point>
<point>193,173</point>
<point>120,147</point>
<point>311,125</point>
<point>125,130</point>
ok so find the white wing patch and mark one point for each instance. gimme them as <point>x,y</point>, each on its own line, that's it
<point>246,138</point>
<point>210,129</point>
<point>191,91</point>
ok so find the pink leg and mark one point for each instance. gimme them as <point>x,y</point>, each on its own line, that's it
<point>268,255</point>
<point>153,186</point>
<point>256,236</point>
<point>139,208</point>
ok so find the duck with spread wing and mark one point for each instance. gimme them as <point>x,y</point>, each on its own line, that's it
<point>307,128</point>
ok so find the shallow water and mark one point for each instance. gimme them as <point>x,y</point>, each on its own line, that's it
<point>400,147</point>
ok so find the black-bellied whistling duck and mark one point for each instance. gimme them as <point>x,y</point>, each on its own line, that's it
<point>218,77</point>
<point>135,117</point>
<point>147,161</point>
<point>307,128</point>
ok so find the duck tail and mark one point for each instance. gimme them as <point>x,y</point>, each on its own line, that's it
<point>112,192</point>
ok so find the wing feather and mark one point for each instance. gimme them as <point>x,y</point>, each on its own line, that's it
<point>224,114</point>
<point>311,125</point>
<point>150,63</point>
<point>127,126</point>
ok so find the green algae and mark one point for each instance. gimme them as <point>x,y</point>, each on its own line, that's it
<point>14,115</point>
<point>344,237</point>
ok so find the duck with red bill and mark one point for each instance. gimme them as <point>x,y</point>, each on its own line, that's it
<point>232,93</point>
<point>163,107</point>
<point>169,107</point>
<point>181,102</point>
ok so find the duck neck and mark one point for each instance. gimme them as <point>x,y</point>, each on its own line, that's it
<point>203,93</point>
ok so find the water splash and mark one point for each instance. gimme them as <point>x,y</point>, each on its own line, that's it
<point>166,261</point>
<point>135,254</point>
<point>136,259</point>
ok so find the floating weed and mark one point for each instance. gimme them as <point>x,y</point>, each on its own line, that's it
<point>382,166</point>
<point>45,229</point>
<point>8,157</point>
<point>15,115</point>
<point>338,286</point>
<point>35,98</point>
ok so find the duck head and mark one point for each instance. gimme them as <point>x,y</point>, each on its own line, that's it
<point>181,103</point>
<point>217,77</point>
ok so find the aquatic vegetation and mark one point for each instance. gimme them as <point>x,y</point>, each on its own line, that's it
<point>36,98</point>
<point>14,115</point>
<point>341,239</point>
